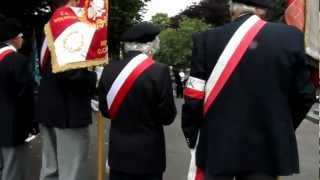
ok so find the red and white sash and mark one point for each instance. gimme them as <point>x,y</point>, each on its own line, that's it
<point>227,62</point>
<point>125,80</point>
<point>195,173</point>
<point>230,58</point>
<point>5,51</point>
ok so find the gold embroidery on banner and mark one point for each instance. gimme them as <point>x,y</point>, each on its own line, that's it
<point>73,42</point>
<point>56,68</point>
<point>63,18</point>
<point>96,13</point>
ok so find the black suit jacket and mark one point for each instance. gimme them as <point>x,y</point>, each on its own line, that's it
<point>64,99</point>
<point>16,99</point>
<point>251,126</point>
<point>137,143</point>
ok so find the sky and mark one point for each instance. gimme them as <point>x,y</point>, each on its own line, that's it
<point>171,7</point>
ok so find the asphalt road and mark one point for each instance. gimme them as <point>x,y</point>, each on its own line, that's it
<point>178,153</point>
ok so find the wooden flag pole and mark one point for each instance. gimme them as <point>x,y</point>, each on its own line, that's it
<point>101,153</point>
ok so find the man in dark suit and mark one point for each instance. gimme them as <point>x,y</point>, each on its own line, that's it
<point>16,101</point>
<point>64,112</point>
<point>136,94</point>
<point>247,131</point>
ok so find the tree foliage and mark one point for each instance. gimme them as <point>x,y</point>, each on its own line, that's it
<point>162,20</point>
<point>123,14</point>
<point>216,12</point>
<point>279,8</point>
<point>176,44</point>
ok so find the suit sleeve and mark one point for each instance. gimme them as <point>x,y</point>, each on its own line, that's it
<point>303,90</point>
<point>25,94</point>
<point>166,105</point>
<point>103,106</point>
<point>192,109</point>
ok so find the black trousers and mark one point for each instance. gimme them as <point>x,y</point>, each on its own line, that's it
<point>116,175</point>
<point>245,177</point>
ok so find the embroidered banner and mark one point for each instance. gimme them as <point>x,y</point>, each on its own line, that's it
<point>77,36</point>
<point>295,13</point>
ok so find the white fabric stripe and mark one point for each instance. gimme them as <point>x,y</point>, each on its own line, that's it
<point>7,48</point>
<point>124,74</point>
<point>43,50</point>
<point>229,50</point>
<point>193,167</point>
<point>77,10</point>
<point>195,84</point>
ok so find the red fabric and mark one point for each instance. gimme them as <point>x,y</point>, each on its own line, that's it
<point>45,59</point>
<point>82,3</point>
<point>125,88</point>
<point>199,174</point>
<point>5,53</point>
<point>289,2</point>
<point>193,93</point>
<point>295,14</point>
<point>61,19</point>
<point>98,48</point>
<point>234,61</point>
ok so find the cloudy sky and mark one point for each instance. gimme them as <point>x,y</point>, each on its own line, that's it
<point>171,7</point>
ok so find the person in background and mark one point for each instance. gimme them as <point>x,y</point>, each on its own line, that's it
<point>178,82</point>
<point>248,90</point>
<point>136,94</point>
<point>16,101</point>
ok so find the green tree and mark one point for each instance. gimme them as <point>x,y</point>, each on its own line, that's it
<point>277,12</point>
<point>176,44</point>
<point>161,19</point>
<point>123,14</point>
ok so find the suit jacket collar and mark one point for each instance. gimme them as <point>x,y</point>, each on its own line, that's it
<point>131,54</point>
<point>243,17</point>
<point>5,44</point>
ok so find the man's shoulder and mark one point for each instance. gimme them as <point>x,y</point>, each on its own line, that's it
<point>218,31</point>
<point>160,67</point>
<point>280,27</point>
<point>17,57</point>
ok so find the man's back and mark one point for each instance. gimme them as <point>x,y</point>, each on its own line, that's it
<point>16,99</point>
<point>136,137</point>
<point>250,126</point>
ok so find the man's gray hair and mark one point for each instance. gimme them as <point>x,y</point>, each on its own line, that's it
<point>147,48</point>
<point>241,8</point>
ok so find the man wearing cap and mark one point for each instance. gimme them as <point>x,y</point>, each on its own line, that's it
<point>16,101</point>
<point>136,94</point>
<point>249,89</point>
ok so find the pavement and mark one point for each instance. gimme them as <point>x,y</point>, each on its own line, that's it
<point>178,156</point>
